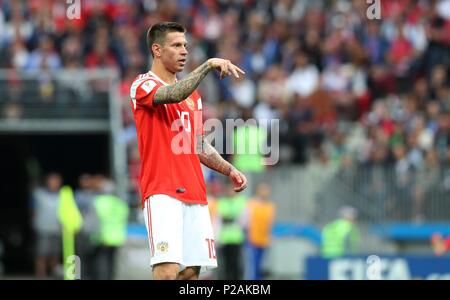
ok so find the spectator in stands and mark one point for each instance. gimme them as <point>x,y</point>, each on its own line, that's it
<point>17,25</point>
<point>44,57</point>
<point>427,181</point>
<point>403,181</point>
<point>304,79</point>
<point>19,54</point>
<point>100,56</point>
<point>375,44</point>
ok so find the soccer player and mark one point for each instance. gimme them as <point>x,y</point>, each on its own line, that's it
<point>167,113</point>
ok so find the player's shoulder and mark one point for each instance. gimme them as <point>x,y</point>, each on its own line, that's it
<point>143,85</point>
<point>145,81</point>
<point>140,78</point>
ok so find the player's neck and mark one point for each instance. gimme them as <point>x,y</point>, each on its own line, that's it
<point>166,76</point>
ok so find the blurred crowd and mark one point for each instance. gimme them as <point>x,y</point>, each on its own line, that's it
<point>315,65</point>
<point>346,89</point>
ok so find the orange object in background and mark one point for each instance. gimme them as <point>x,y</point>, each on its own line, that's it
<point>261,218</point>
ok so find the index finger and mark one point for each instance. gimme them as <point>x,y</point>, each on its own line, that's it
<point>236,67</point>
<point>239,69</point>
<point>233,69</point>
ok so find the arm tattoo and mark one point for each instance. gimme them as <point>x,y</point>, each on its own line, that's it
<point>179,91</point>
<point>212,159</point>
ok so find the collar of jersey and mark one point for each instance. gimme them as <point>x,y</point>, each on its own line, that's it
<point>157,77</point>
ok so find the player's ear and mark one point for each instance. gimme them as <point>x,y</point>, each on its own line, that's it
<point>156,49</point>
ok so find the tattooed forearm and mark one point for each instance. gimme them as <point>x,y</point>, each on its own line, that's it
<point>212,159</point>
<point>179,91</point>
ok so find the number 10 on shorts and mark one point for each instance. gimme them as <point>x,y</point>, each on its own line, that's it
<point>211,250</point>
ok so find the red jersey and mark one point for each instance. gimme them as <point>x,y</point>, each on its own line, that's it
<point>167,137</point>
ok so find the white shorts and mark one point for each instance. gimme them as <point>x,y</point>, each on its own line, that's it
<point>179,232</point>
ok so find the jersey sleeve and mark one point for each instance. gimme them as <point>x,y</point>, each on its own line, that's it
<point>143,91</point>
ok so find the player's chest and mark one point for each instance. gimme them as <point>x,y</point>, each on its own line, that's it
<point>186,114</point>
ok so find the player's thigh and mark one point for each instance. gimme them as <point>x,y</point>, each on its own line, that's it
<point>164,221</point>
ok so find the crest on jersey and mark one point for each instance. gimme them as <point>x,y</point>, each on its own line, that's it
<point>162,247</point>
<point>190,103</point>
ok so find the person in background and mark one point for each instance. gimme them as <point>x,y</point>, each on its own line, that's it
<point>46,226</point>
<point>231,222</point>
<point>261,217</point>
<point>341,236</point>
<point>439,244</point>
<point>112,215</point>
<point>87,191</point>
<point>248,140</point>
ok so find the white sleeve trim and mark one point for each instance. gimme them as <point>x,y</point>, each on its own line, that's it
<point>146,84</point>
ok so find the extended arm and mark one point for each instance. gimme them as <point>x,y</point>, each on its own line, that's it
<point>180,90</point>
<point>212,159</point>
